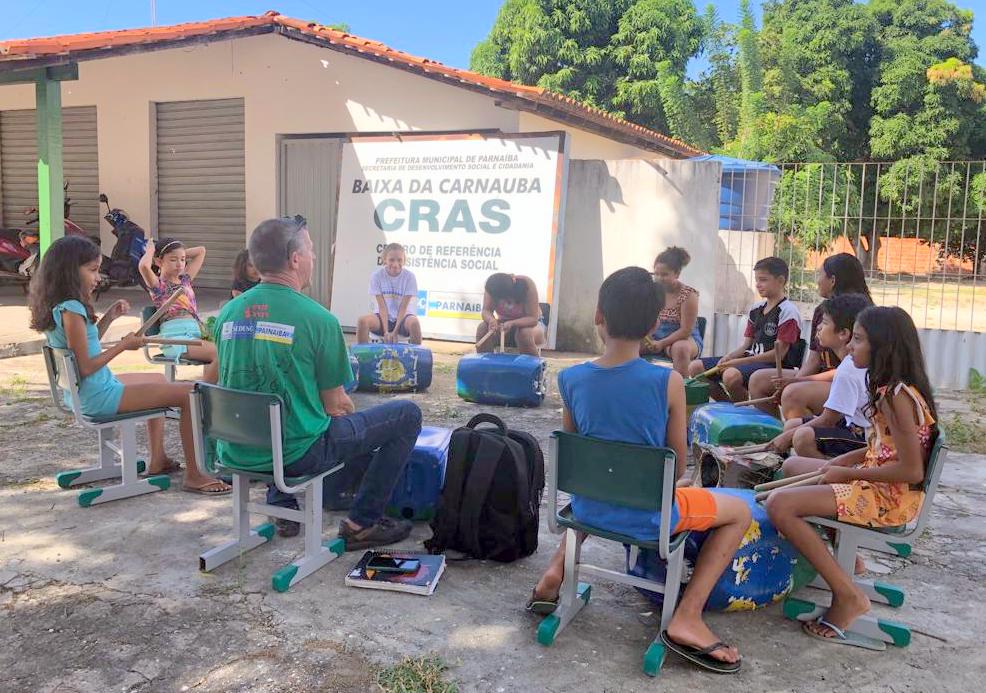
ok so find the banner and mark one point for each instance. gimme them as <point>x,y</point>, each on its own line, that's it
<point>463,207</point>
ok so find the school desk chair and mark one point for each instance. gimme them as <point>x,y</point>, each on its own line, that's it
<point>849,538</point>
<point>254,419</point>
<point>117,439</point>
<point>635,476</point>
<point>170,364</point>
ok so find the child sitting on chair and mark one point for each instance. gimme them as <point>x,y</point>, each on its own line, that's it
<point>622,397</point>
<point>773,326</point>
<point>61,307</point>
<point>166,267</point>
<point>395,290</point>
<point>841,427</point>
<point>245,275</point>
<point>879,486</point>
<point>677,336</point>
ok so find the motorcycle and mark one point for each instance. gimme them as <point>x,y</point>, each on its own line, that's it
<point>20,249</point>
<point>120,268</point>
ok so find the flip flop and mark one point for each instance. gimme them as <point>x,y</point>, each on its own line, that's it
<point>221,489</point>
<point>701,657</point>
<point>541,607</point>
<point>844,637</point>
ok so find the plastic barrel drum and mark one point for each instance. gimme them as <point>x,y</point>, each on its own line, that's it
<point>354,364</point>
<point>765,569</point>
<point>393,367</point>
<point>417,491</point>
<point>722,423</point>
<point>513,380</point>
<point>696,394</point>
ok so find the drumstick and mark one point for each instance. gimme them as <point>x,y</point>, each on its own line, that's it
<point>163,341</point>
<point>702,376</point>
<point>759,400</point>
<point>176,342</point>
<point>503,339</point>
<point>804,482</point>
<point>783,482</point>
<point>746,449</point>
<point>160,311</point>
<point>482,341</point>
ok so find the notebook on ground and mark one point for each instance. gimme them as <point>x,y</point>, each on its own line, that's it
<point>422,582</point>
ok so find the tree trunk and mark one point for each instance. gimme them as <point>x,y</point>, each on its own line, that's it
<point>867,249</point>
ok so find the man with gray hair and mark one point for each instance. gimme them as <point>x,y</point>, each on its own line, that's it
<point>275,339</point>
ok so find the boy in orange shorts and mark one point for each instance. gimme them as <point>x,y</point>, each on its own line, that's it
<point>621,397</point>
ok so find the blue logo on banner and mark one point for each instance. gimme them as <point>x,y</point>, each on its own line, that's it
<point>422,308</point>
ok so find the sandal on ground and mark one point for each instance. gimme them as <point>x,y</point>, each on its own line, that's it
<point>541,606</point>
<point>213,487</point>
<point>702,656</point>
<point>843,637</point>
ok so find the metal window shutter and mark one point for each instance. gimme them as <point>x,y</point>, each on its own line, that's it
<point>201,181</point>
<point>19,165</point>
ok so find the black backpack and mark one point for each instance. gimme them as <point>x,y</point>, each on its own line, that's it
<point>493,487</point>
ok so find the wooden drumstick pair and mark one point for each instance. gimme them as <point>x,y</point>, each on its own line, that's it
<point>806,479</point>
<point>490,333</point>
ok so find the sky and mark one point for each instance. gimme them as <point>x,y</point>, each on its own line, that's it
<point>443,30</point>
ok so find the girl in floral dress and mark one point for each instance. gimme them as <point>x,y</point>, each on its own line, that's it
<point>878,486</point>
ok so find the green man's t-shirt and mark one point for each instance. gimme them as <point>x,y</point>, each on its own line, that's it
<point>273,339</point>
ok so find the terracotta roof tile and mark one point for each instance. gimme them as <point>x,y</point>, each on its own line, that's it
<point>89,46</point>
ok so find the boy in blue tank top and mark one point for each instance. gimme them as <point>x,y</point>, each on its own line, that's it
<point>621,397</point>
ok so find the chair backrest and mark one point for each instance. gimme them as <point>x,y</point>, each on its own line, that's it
<point>701,323</point>
<point>545,312</point>
<point>145,314</point>
<point>636,476</point>
<point>63,374</point>
<point>936,460</point>
<point>237,416</point>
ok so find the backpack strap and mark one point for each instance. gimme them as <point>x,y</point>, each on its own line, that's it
<point>447,518</point>
<point>484,464</point>
<point>490,419</point>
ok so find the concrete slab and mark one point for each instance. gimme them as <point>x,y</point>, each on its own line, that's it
<point>111,598</point>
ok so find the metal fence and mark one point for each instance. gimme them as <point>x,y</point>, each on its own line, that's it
<point>917,227</point>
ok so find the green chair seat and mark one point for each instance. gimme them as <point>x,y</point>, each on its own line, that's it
<point>124,416</point>
<point>261,476</point>
<point>165,361</point>
<point>567,519</point>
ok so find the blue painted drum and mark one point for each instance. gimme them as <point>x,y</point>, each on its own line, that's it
<point>419,487</point>
<point>354,364</point>
<point>765,569</point>
<point>393,367</point>
<point>721,423</point>
<point>513,380</point>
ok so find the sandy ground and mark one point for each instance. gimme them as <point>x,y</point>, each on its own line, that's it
<point>110,598</point>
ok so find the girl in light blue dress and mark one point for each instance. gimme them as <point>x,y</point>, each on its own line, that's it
<point>61,307</point>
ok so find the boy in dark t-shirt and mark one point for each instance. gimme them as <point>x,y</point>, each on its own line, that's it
<point>773,325</point>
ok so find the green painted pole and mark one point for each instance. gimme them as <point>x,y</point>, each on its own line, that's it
<point>51,194</point>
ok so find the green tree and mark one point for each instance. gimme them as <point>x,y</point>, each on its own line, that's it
<point>928,99</point>
<point>626,57</point>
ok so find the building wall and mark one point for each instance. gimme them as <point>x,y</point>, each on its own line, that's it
<point>624,212</point>
<point>288,87</point>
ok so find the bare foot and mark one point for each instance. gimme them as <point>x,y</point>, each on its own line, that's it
<point>692,631</point>
<point>860,565</point>
<point>549,585</point>
<point>163,466</point>
<point>845,609</point>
